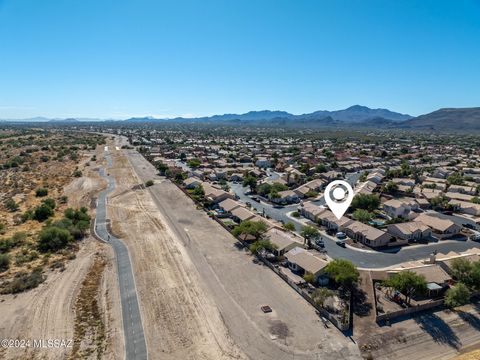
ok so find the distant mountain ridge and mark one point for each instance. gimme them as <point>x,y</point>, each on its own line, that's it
<point>353,114</point>
<point>447,119</point>
<point>357,116</point>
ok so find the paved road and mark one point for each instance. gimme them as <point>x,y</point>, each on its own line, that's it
<point>135,345</point>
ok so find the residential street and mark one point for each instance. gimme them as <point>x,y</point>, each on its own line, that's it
<point>367,260</point>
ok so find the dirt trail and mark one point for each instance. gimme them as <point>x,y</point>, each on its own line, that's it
<point>180,321</point>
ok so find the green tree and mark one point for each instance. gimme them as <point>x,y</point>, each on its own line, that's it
<point>439,202</point>
<point>262,244</point>
<point>250,181</point>
<point>162,168</point>
<point>455,179</point>
<point>264,189</point>
<point>321,295</point>
<point>309,277</point>
<point>198,193</point>
<point>53,239</point>
<point>253,228</point>
<point>289,226</point>
<point>408,283</point>
<point>476,200</point>
<point>362,215</point>
<point>309,233</point>
<point>194,163</point>
<point>320,168</point>
<point>368,202</point>
<point>461,269</point>
<point>457,295</point>
<point>343,272</point>
<point>390,187</point>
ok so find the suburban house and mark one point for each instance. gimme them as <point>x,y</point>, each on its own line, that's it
<point>240,214</point>
<point>215,195</point>
<point>330,221</point>
<point>436,277</point>
<point>285,197</point>
<point>404,181</point>
<point>399,208</point>
<point>366,187</point>
<point>192,182</point>
<point>263,162</point>
<point>228,205</point>
<point>367,234</point>
<point>458,196</point>
<point>282,240</point>
<point>410,231</point>
<point>293,176</point>
<point>314,185</point>
<point>311,211</point>
<point>441,228</point>
<point>466,207</point>
<point>303,262</point>
<point>469,190</point>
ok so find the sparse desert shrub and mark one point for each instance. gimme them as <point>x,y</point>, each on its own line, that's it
<point>42,212</point>
<point>149,183</point>
<point>77,173</point>
<point>11,205</point>
<point>53,238</point>
<point>4,262</point>
<point>40,192</point>
<point>23,281</point>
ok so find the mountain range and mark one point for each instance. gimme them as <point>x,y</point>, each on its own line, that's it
<point>353,114</point>
<point>357,116</point>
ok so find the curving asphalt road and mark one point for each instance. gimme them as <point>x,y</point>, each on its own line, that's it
<point>135,345</point>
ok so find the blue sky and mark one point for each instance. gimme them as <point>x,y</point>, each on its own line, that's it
<point>117,58</point>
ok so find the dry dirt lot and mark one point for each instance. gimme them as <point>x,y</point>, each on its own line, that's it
<point>200,296</point>
<point>56,309</point>
<point>180,320</point>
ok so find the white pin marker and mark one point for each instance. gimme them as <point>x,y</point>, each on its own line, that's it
<point>338,196</point>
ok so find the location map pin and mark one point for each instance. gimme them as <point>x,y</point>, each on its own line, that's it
<point>338,196</point>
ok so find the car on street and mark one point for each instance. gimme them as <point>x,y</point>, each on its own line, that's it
<point>341,235</point>
<point>341,243</point>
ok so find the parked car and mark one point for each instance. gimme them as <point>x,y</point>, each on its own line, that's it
<point>341,243</point>
<point>319,242</point>
<point>475,237</point>
<point>470,226</point>
<point>341,235</point>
